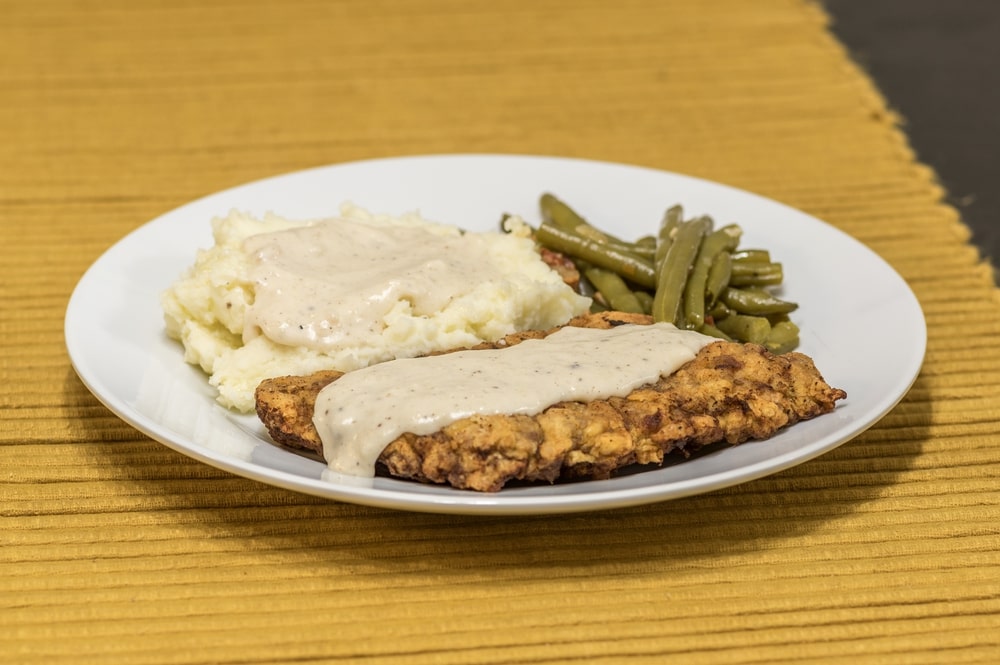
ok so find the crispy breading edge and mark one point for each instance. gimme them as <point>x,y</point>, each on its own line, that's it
<point>730,392</point>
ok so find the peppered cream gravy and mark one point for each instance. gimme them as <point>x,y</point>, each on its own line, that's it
<point>360,413</point>
<point>331,284</point>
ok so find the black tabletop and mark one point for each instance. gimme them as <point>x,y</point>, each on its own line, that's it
<point>936,61</point>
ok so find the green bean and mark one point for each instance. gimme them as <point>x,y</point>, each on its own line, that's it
<point>591,233</point>
<point>752,273</point>
<point>778,317</point>
<point>665,236</point>
<point>558,213</point>
<point>753,255</point>
<point>745,328</point>
<point>675,268</point>
<point>783,337</point>
<point>597,306</point>
<point>718,310</point>
<point>563,216</point>
<point>713,331</point>
<point>616,293</point>
<point>724,239</point>
<point>646,251</point>
<point>631,267</point>
<point>688,274</point>
<point>646,300</point>
<point>718,276</point>
<point>756,302</point>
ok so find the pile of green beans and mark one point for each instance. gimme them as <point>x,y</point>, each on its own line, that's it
<point>690,273</point>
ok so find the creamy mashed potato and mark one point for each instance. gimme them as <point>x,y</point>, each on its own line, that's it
<point>351,291</point>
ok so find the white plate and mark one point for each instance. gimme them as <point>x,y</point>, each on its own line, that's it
<point>860,322</point>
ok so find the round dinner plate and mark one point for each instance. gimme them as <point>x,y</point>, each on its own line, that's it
<point>860,322</point>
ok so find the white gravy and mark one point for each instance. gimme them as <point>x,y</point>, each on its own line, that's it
<point>330,284</point>
<point>359,414</point>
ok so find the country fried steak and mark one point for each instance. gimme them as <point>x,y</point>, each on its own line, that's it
<point>730,393</point>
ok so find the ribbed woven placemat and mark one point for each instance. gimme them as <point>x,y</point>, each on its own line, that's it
<point>116,549</point>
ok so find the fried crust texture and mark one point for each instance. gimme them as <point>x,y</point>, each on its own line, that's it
<point>729,393</point>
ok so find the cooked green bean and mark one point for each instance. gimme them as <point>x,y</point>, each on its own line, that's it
<point>597,306</point>
<point>688,274</point>
<point>675,268</point>
<point>753,273</point>
<point>745,328</point>
<point>783,337</point>
<point>778,317</point>
<point>713,331</point>
<point>718,276</point>
<point>754,255</point>
<point>557,212</point>
<point>563,216</point>
<point>615,291</point>
<point>724,239</point>
<point>646,300</point>
<point>718,310</point>
<point>641,249</point>
<point>665,236</point>
<point>591,233</point>
<point>633,268</point>
<point>756,302</point>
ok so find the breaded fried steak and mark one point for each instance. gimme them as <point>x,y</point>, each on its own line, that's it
<point>730,392</point>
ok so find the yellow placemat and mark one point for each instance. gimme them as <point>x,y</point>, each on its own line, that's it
<point>117,550</point>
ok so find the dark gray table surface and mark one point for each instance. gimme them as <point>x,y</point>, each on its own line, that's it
<point>938,64</point>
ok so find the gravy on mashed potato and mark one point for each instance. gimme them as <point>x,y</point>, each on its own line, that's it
<point>275,296</point>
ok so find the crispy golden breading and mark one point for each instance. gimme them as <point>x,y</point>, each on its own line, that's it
<point>730,392</point>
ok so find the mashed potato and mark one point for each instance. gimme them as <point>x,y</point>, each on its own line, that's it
<point>290,301</point>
